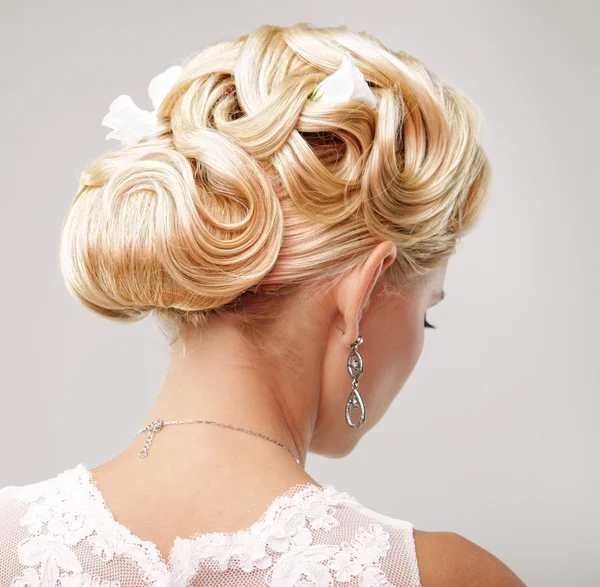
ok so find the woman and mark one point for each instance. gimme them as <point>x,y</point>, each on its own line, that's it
<point>287,212</point>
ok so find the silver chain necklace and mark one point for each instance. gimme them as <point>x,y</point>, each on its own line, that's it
<point>157,425</point>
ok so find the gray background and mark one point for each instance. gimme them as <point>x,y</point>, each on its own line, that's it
<point>495,434</point>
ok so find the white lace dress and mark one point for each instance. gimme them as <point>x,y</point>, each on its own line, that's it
<point>60,533</point>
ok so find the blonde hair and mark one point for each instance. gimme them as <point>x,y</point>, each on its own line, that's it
<point>247,188</point>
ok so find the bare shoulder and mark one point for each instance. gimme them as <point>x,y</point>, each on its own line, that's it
<point>447,558</point>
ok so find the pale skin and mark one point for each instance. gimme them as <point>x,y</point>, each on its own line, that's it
<point>297,395</point>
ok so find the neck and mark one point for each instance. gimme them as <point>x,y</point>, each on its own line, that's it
<point>216,375</point>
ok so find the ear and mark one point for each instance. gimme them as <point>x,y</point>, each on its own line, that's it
<point>355,290</point>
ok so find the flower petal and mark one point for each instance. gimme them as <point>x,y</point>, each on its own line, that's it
<point>162,84</point>
<point>129,122</point>
<point>347,83</point>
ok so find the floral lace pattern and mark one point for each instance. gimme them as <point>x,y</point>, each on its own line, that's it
<point>69,509</point>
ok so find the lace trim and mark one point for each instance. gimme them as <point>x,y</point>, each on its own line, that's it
<point>69,508</point>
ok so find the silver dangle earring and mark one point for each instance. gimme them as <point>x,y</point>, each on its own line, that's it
<point>355,369</point>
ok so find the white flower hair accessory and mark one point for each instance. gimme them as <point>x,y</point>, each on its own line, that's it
<point>129,122</point>
<point>347,83</point>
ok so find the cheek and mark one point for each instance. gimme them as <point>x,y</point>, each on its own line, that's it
<point>393,354</point>
<point>400,352</point>
<point>398,333</point>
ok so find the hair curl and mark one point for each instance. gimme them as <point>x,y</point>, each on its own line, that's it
<point>247,188</point>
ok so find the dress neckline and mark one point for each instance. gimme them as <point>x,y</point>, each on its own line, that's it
<point>307,531</point>
<point>213,544</point>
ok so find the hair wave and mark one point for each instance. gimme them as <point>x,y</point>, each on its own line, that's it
<point>248,188</point>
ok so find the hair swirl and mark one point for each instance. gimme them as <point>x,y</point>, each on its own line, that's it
<point>247,187</point>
